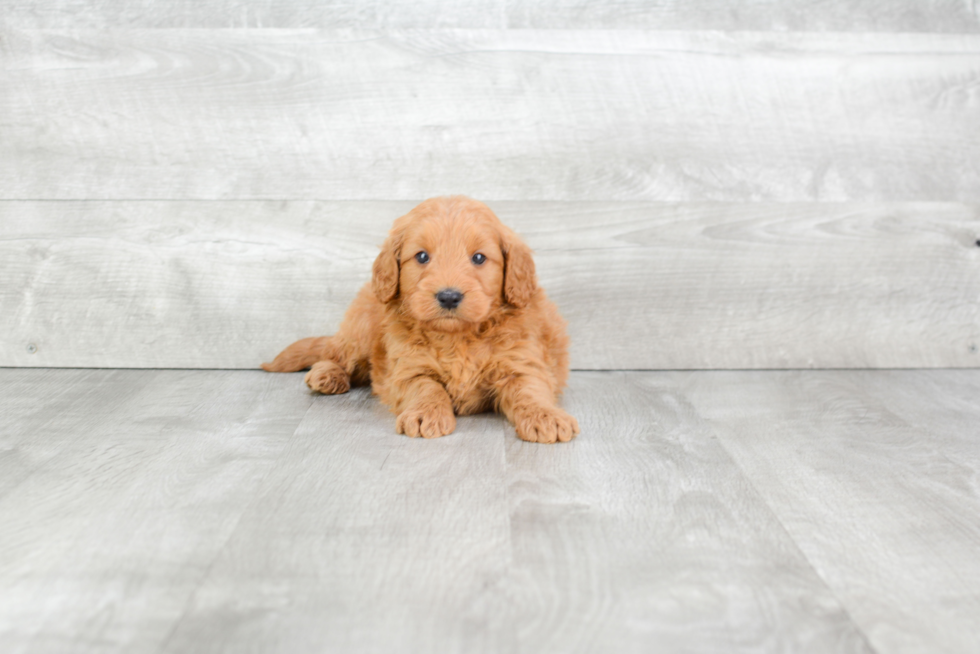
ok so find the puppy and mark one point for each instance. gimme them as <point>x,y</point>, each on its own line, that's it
<point>452,323</point>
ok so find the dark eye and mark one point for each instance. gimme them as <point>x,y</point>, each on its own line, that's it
<point>478,258</point>
<point>422,257</point>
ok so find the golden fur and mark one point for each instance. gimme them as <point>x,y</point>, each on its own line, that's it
<point>502,348</point>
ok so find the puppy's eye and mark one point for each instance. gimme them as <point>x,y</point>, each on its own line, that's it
<point>422,257</point>
<point>478,258</point>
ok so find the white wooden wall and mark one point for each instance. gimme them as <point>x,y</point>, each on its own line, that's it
<point>706,184</point>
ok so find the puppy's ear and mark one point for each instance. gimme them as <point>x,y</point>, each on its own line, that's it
<point>386,269</point>
<point>519,278</point>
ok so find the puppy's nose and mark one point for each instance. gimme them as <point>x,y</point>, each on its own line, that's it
<point>449,298</point>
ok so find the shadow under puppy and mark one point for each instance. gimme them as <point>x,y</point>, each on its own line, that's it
<point>452,323</point>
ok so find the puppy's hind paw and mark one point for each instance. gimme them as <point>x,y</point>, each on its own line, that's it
<point>545,425</point>
<point>431,422</point>
<point>328,378</point>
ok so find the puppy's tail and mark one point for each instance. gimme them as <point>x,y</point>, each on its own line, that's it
<point>300,355</point>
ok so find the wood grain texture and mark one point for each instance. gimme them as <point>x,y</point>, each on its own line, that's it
<point>819,511</point>
<point>41,407</point>
<point>150,284</point>
<point>875,476</point>
<point>237,14</point>
<point>134,481</point>
<point>641,536</point>
<point>643,285</point>
<point>573,115</point>
<point>362,541</point>
<point>191,514</point>
<point>799,15</point>
<point>760,15</point>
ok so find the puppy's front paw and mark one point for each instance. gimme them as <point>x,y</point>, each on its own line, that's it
<point>328,378</point>
<point>545,425</point>
<point>431,422</point>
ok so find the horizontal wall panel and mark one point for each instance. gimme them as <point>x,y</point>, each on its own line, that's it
<point>783,15</point>
<point>643,285</point>
<point>235,14</point>
<point>799,15</point>
<point>500,115</point>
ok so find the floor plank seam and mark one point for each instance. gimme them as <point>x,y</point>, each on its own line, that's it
<point>843,606</point>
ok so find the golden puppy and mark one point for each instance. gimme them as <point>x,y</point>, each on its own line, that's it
<point>452,323</point>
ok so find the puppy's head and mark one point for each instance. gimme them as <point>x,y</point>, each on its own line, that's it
<point>452,263</point>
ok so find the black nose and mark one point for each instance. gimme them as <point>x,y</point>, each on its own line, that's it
<point>449,298</point>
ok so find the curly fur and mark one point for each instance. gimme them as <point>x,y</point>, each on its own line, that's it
<point>504,348</point>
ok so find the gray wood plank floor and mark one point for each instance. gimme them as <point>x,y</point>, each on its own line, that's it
<point>876,475</point>
<point>232,511</point>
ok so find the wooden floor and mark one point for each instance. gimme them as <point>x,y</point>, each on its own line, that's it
<point>232,511</point>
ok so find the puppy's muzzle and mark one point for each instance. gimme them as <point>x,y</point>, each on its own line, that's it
<point>449,298</point>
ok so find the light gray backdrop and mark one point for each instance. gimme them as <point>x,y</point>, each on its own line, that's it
<point>706,184</point>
